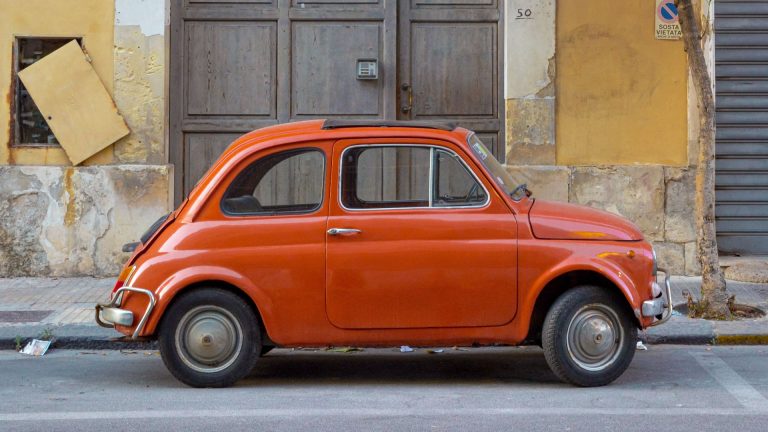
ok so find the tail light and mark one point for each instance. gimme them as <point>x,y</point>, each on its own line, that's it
<point>125,275</point>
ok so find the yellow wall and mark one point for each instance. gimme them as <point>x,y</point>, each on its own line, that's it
<point>621,94</point>
<point>92,20</point>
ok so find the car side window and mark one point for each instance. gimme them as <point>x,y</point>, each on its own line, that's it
<point>385,177</point>
<point>399,176</point>
<point>287,182</point>
<point>454,184</point>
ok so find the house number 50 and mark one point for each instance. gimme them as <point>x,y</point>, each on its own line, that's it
<point>524,14</point>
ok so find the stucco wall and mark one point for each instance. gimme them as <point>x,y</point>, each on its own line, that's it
<point>621,94</point>
<point>59,220</point>
<point>597,114</point>
<point>140,79</point>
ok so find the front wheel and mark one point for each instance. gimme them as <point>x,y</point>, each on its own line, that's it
<point>210,338</point>
<point>589,336</point>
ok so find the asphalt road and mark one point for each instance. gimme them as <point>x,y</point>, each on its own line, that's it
<point>677,388</point>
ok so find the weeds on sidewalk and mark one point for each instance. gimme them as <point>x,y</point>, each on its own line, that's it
<point>46,334</point>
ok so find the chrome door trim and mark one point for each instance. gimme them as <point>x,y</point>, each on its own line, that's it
<point>432,148</point>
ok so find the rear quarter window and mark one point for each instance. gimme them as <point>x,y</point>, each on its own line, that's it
<point>288,182</point>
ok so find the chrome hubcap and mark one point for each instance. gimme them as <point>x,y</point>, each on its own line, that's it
<point>594,337</point>
<point>209,339</point>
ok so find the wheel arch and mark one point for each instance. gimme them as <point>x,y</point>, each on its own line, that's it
<point>220,284</point>
<point>564,282</point>
<point>189,280</point>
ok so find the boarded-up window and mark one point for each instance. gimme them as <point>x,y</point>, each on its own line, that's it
<point>74,102</point>
<point>29,125</point>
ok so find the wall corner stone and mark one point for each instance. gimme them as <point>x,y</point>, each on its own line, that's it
<point>671,257</point>
<point>530,82</point>
<point>679,204</point>
<point>692,266</point>
<point>634,192</point>
<point>546,182</point>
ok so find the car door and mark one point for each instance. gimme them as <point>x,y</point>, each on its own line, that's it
<point>416,239</point>
<point>267,224</point>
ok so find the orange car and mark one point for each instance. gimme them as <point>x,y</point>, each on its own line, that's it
<point>357,233</point>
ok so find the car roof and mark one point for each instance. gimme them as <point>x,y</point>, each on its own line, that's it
<point>339,124</point>
<point>339,129</point>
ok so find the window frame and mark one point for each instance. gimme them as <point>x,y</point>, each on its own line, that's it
<point>16,84</point>
<point>298,150</point>
<point>432,148</point>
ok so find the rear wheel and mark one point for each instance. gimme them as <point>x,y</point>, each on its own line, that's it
<point>210,338</point>
<point>589,337</point>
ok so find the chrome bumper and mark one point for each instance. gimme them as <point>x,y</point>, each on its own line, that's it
<point>110,314</point>
<point>661,305</point>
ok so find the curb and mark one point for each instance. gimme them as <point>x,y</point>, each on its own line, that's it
<point>87,343</point>
<point>100,343</point>
<point>690,339</point>
<point>742,339</point>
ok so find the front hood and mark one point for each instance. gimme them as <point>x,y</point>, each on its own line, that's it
<point>561,221</point>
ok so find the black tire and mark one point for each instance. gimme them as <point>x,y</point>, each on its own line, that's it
<point>209,338</point>
<point>589,336</point>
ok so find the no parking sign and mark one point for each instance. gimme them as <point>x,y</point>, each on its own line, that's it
<point>667,23</point>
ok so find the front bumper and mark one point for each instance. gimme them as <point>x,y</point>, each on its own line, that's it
<point>661,306</point>
<point>109,314</point>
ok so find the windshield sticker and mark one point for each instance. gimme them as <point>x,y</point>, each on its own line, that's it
<point>480,151</point>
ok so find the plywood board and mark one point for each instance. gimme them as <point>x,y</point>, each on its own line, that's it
<point>74,102</point>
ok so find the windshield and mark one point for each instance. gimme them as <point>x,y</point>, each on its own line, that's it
<point>497,171</point>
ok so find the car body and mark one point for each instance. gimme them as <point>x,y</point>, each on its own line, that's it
<point>384,234</point>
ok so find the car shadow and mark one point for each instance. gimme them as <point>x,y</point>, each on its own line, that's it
<point>389,366</point>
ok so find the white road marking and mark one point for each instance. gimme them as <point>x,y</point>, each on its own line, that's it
<point>737,386</point>
<point>374,412</point>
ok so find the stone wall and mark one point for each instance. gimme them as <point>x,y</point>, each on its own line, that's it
<point>71,221</point>
<point>658,199</point>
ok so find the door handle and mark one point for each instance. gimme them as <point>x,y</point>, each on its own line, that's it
<point>343,231</point>
<point>406,108</point>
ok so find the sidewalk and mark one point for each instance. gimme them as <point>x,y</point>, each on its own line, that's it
<point>64,307</point>
<point>683,330</point>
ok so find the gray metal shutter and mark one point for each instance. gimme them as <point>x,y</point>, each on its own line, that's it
<point>741,68</point>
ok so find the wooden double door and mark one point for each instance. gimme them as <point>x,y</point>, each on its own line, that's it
<point>239,65</point>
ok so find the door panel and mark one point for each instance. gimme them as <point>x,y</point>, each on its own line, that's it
<point>324,82</point>
<point>419,268</point>
<point>453,78</point>
<point>231,68</point>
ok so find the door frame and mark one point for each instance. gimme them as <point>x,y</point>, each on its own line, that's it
<point>284,14</point>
